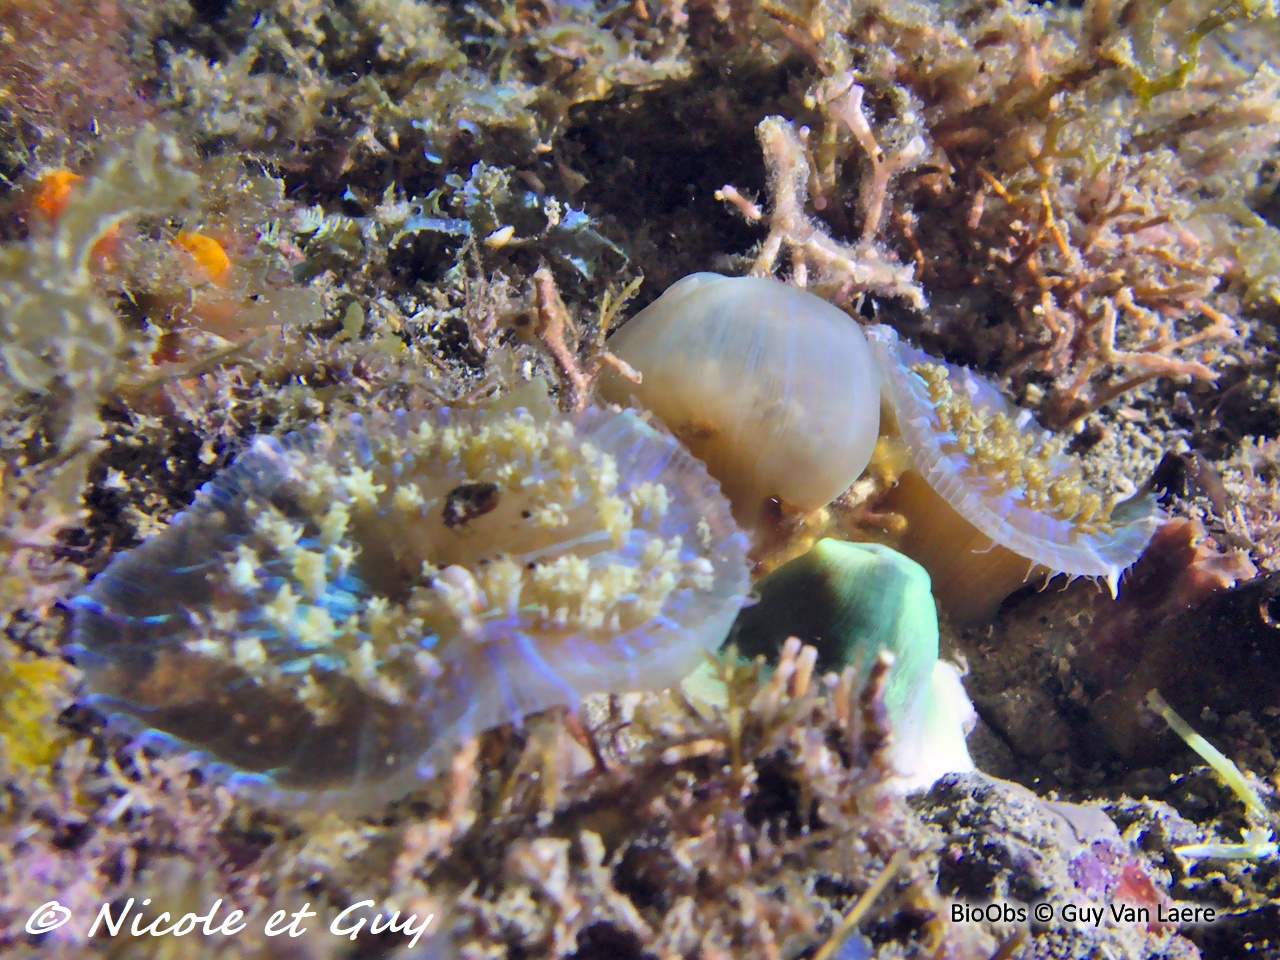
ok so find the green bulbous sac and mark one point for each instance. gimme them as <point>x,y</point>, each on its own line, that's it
<point>850,601</point>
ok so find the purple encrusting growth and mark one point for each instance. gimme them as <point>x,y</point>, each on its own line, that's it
<point>341,607</point>
<point>1106,872</point>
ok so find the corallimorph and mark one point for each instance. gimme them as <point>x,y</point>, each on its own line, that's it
<point>340,607</point>
<point>992,498</point>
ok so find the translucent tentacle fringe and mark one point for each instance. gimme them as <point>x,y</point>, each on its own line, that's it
<point>988,470</point>
<point>338,610</point>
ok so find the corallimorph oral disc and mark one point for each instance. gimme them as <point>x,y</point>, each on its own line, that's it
<point>340,607</point>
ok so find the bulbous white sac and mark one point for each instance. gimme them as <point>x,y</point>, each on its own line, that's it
<point>774,388</point>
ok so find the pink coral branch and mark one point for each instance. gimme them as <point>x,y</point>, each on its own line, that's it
<point>851,269</point>
<point>885,166</point>
<point>552,323</point>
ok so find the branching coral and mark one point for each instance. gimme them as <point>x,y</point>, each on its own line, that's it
<point>841,270</point>
<point>1110,217</point>
<point>1115,288</point>
<point>1253,518</point>
<point>551,326</point>
<point>841,99</point>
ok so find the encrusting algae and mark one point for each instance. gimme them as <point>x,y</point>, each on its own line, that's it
<point>31,691</point>
<point>340,607</point>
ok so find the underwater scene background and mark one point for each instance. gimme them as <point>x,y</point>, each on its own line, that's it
<point>640,479</point>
